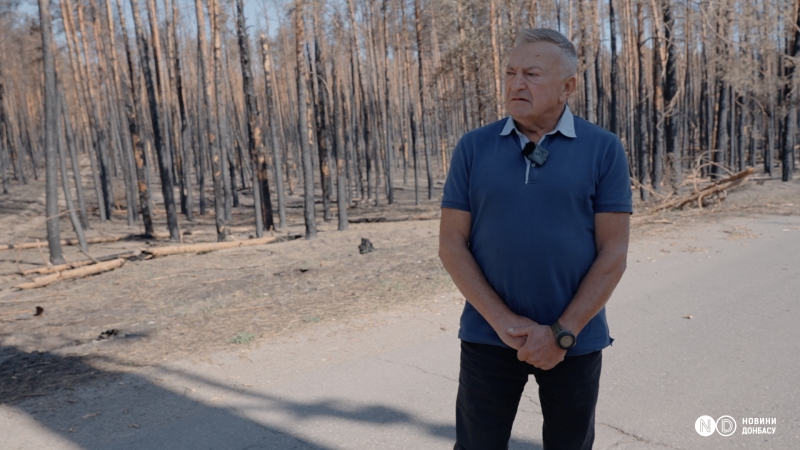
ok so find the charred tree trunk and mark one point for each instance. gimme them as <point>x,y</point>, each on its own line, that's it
<point>155,117</point>
<point>338,150</point>
<point>424,141</point>
<point>302,102</point>
<point>223,133</point>
<point>50,133</point>
<point>210,137</point>
<point>612,113</point>
<point>670,92</point>
<point>62,158</point>
<point>588,66</point>
<point>260,179</point>
<point>277,154</point>
<point>102,142</point>
<point>76,170</point>
<point>187,197</point>
<point>791,98</point>
<point>4,141</point>
<point>494,29</point>
<point>320,125</point>
<point>131,108</point>
<point>658,107</point>
<point>642,147</point>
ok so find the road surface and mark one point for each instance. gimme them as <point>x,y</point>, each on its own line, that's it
<point>706,323</point>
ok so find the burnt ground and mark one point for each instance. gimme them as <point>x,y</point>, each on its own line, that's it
<point>190,305</point>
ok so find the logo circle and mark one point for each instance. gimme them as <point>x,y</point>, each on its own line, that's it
<point>726,426</point>
<point>705,426</point>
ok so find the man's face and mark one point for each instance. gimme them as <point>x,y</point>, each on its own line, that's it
<point>537,83</point>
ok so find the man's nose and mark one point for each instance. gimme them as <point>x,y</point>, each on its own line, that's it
<point>518,82</point>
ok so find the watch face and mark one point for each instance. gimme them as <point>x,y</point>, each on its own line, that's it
<point>566,341</point>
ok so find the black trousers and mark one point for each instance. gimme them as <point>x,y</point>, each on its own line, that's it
<point>490,386</point>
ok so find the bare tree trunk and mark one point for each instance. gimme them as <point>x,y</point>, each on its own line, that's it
<point>463,68</point>
<point>210,136</point>
<point>658,104</point>
<point>412,110</point>
<point>612,113</point>
<point>120,144</point>
<point>187,197</point>
<point>387,120</point>
<point>50,133</point>
<point>320,122</point>
<point>424,140</point>
<point>131,108</point>
<point>338,150</point>
<point>87,120</point>
<point>588,66</point>
<point>498,92</point>
<point>642,147</point>
<point>219,107</point>
<point>302,102</point>
<point>260,180</point>
<point>670,100</point>
<point>723,109</point>
<point>277,159</point>
<point>95,122</point>
<point>76,170</point>
<point>4,163</point>
<point>155,116</point>
<point>360,104</point>
<point>791,99</point>
<point>62,157</point>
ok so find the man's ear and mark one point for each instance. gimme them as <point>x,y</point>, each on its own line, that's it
<point>568,87</point>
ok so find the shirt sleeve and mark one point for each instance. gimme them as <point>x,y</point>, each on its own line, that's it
<point>456,188</point>
<point>613,190</point>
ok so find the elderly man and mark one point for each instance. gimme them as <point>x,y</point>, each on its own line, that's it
<point>534,233</point>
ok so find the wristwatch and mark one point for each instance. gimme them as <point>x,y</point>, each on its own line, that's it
<point>564,338</point>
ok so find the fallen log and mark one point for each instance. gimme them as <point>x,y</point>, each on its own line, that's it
<point>73,273</point>
<point>76,264</point>
<point>715,188</point>
<point>165,235</point>
<point>205,247</point>
<point>97,240</point>
<point>391,219</point>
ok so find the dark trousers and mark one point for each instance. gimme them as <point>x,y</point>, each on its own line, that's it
<point>490,386</point>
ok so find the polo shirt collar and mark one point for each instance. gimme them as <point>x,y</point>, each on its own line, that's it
<point>565,125</point>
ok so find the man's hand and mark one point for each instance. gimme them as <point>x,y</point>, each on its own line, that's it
<point>540,349</point>
<point>514,322</point>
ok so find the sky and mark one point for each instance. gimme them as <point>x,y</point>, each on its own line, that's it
<point>256,12</point>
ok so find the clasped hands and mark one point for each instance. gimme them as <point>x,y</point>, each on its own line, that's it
<point>535,344</point>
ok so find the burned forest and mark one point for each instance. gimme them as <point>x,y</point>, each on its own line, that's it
<point>159,112</point>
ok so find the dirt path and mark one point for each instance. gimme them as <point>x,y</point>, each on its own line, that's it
<point>387,379</point>
<point>200,307</point>
<point>171,308</point>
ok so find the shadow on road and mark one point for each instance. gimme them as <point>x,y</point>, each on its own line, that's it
<point>99,409</point>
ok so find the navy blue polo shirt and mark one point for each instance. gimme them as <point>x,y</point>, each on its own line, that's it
<point>533,226</point>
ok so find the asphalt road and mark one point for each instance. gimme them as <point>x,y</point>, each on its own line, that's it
<point>389,381</point>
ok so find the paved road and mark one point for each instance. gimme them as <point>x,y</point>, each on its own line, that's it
<point>389,381</point>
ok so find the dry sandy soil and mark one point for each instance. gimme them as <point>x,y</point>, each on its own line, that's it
<point>193,304</point>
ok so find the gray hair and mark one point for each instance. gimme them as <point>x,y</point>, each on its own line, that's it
<point>569,56</point>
